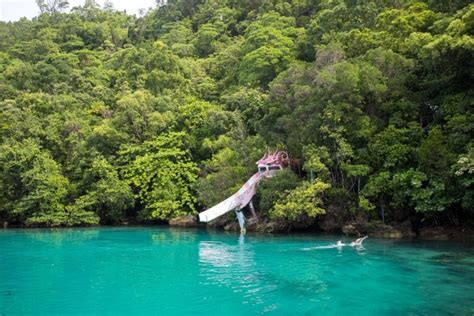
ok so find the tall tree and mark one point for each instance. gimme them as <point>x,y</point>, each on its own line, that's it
<point>52,6</point>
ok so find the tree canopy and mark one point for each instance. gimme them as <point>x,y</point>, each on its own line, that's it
<point>106,117</point>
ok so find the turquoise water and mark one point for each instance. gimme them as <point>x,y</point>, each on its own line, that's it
<point>164,271</point>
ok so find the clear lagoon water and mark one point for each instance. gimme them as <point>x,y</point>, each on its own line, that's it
<point>163,271</point>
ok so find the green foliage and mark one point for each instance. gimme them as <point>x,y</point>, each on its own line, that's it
<point>365,205</point>
<point>204,123</point>
<point>394,148</point>
<point>107,194</point>
<point>273,189</point>
<point>305,200</point>
<point>230,166</point>
<point>263,64</point>
<point>106,116</point>
<point>249,102</point>
<point>33,190</point>
<point>225,179</point>
<point>268,50</point>
<point>464,170</point>
<point>52,6</point>
<point>162,175</point>
<point>413,188</point>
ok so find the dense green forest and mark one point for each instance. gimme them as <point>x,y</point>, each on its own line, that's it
<point>107,117</point>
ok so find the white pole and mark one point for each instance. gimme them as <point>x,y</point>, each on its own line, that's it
<point>252,209</point>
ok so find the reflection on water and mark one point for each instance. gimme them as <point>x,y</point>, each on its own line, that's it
<point>173,236</point>
<point>233,266</point>
<point>60,236</point>
<point>219,254</point>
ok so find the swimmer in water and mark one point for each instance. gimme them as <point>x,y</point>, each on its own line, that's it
<point>358,241</point>
<point>339,244</point>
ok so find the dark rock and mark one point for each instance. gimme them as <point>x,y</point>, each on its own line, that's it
<point>252,224</point>
<point>406,229</point>
<point>230,223</point>
<point>335,218</point>
<point>221,221</point>
<point>361,219</point>
<point>384,231</point>
<point>329,223</point>
<point>435,233</point>
<point>232,227</point>
<point>302,223</point>
<point>278,226</point>
<point>350,230</point>
<point>465,233</point>
<point>184,221</point>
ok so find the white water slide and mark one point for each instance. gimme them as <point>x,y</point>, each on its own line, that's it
<point>235,202</point>
<point>267,166</point>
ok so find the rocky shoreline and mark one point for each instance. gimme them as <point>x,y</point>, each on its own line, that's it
<point>355,227</point>
<point>327,224</point>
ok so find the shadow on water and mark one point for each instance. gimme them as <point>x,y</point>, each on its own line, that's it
<point>457,258</point>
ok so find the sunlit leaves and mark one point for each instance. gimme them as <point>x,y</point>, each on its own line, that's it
<point>162,175</point>
<point>305,200</point>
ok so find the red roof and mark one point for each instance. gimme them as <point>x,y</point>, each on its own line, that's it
<point>276,158</point>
